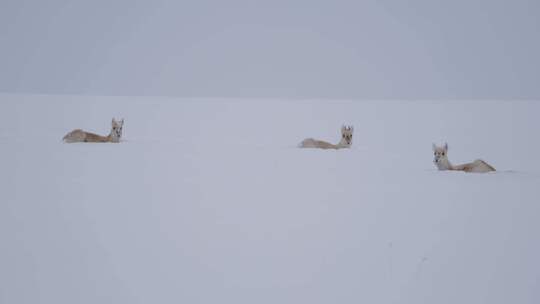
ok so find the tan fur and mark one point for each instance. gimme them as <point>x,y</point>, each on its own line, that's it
<point>345,142</point>
<point>313,143</point>
<point>478,166</point>
<point>442,162</point>
<point>79,135</point>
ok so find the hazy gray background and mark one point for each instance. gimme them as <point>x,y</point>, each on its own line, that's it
<point>321,49</point>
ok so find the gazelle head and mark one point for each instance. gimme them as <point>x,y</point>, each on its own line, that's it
<point>346,135</point>
<point>116,129</point>
<point>441,157</point>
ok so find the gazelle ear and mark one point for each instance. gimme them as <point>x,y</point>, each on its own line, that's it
<point>122,122</point>
<point>445,147</point>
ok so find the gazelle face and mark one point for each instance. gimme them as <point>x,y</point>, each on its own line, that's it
<point>440,153</point>
<point>346,134</point>
<point>116,130</point>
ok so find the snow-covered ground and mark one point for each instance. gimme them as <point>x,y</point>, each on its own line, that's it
<point>210,201</point>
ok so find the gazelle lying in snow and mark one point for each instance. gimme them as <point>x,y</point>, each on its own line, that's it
<point>345,142</point>
<point>442,163</point>
<point>79,135</point>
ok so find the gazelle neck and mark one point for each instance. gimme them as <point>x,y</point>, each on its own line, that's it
<point>343,144</point>
<point>112,137</point>
<point>444,164</point>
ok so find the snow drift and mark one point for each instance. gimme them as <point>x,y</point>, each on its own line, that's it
<point>210,201</point>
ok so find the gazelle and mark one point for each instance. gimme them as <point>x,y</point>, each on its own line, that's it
<point>345,142</point>
<point>79,135</point>
<point>442,162</point>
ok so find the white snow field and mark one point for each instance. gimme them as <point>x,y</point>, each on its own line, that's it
<point>210,201</point>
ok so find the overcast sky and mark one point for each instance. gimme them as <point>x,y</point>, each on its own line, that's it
<point>289,49</point>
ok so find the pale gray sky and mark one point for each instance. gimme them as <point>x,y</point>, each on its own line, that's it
<point>307,48</point>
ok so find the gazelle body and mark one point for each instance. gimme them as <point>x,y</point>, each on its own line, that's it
<point>442,162</point>
<point>79,135</point>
